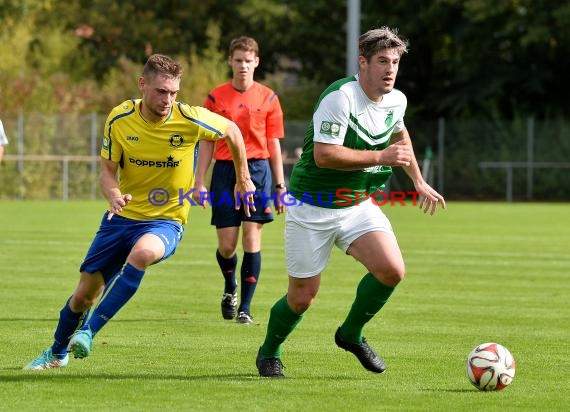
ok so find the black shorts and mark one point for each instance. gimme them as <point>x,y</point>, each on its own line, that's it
<point>222,198</point>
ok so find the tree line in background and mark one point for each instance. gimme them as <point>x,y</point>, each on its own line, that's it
<point>468,58</point>
<point>486,66</point>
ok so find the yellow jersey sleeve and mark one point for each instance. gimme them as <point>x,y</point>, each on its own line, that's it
<point>212,125</point>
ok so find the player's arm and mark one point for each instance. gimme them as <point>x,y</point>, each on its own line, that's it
<point>330,125</point>
<point>276,164</point>
<point>430,198</point>
<point>335,156</point>
<point>205,153</point>
<point>110,187</point>
<point>244,184</point>
<point>413,169</point>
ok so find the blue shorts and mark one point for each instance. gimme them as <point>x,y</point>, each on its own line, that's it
<point>116,237</point>
<point>222,190</point>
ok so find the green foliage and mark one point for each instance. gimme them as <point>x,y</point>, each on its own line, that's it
<point>13,37</point>
<point>299,100</point>
<point>34,69</point>
<point>318,41</point>
<point>474,274</point>
<point>119,84</point>
<point>15,85</point>
<point>483,57</point>
<point>473,61</point>
<point>205,68</point>
<point>467,58</point>
<point>202,71</point>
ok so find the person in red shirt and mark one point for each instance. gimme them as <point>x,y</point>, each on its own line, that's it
<point>255,108</point>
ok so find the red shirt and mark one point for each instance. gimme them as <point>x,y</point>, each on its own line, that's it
<point>256,111</point>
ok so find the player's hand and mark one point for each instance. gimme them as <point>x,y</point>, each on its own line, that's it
<point>244,192</point>
<point>200,195</point>
<point>279,194</point>
<point>430,198</point>
<point>117,203</point>
<point>397,154</point>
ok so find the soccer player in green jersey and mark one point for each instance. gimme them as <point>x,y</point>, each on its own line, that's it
<point>147,174</point>
<point>357,134</point>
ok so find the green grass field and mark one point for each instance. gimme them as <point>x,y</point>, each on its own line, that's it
<point>477,272</point>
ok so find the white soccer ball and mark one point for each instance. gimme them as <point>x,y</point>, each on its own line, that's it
<point>490,367</point>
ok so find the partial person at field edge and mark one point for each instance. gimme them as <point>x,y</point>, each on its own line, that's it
<point>3,141</point>
<point>357,134</point>
<point>147,160</point>
<point>255,108</point>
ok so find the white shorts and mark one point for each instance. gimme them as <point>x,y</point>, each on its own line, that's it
<point>311,232</point>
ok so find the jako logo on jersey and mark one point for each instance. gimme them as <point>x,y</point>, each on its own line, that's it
<point>133,138</point>
<point>170,162</point>
<point>176,140</point>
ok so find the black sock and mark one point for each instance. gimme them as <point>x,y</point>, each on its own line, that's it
<point>228,268</point>
<point>250,268</point>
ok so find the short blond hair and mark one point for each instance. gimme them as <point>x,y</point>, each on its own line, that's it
<point>161,64</point>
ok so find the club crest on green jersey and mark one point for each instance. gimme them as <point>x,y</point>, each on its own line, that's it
<point>389,118</point>
<point>330,128</point>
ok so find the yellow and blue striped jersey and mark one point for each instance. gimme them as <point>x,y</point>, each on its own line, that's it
<point>156,160</point>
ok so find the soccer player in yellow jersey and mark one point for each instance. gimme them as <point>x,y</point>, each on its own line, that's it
<point>147,171</point>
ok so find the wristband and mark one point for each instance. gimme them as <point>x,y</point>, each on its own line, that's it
<point>280,186</point>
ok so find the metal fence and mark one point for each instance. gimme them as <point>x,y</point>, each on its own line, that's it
<point>57,157</point>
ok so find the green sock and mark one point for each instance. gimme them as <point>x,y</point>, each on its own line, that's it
<point>371,295</point>
<point>282,321</point>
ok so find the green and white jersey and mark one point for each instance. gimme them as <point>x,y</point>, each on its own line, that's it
<point>3,138</point>
<point>345,116</point>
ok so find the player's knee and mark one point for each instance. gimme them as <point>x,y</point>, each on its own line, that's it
<point>300,306</point>
<point>227,246</point>
<point>397,276</point>
<point>142,258</point>
<point>80,302</point>
<point>300,302</point>
<point>227,251</point>
<point>391,276</point>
